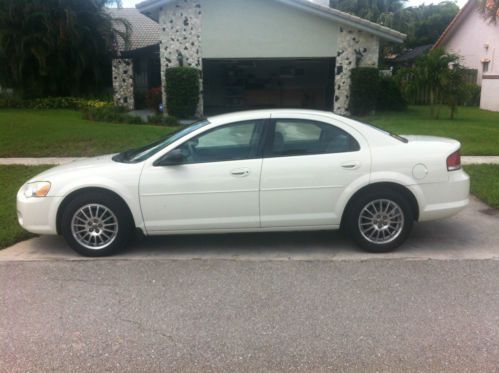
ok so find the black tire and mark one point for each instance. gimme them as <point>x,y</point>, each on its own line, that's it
<point>353,227</point>
<point>121,216</point>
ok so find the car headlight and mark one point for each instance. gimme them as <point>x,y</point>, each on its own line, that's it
<point>37,189</point>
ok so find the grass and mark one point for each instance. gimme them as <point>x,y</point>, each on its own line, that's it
<point>477,130</point>
<point>63,133</point>
<point>57,133</point>
<point>485,183</point>
<point>11,179</point>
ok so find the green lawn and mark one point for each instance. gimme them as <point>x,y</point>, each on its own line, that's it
<point>54,133</point>
<point>477,130</point>
<point>485,183</point>
<point>45,133</point>
<point>11,179</point>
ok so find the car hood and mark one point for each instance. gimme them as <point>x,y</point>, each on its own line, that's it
<point>76,166</point>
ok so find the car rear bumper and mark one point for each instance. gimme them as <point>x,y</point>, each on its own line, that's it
<point>442,200</point>
<point>38,215</point>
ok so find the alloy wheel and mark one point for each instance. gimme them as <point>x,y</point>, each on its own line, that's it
<point>94,226</point>
<point>381,221</point>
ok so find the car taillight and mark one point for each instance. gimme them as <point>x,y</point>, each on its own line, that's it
<point>454,161</point>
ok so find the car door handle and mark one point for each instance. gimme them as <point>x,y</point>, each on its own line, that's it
<point>351,165</point>
<point>240,172</point>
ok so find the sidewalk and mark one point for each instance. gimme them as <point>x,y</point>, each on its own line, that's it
<point>36,161</point>
<point>58,161</point>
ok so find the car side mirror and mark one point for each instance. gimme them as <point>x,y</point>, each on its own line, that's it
<point>174,158</point>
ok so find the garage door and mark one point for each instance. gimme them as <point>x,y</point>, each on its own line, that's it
<point>246,84</point>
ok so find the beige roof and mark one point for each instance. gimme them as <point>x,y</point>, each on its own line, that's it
<point>150,7</point>
<point>145,31</point>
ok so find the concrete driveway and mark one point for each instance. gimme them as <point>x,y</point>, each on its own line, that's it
<point>473,234</point>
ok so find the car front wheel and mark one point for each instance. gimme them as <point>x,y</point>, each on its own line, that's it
<point>96,224</point>
<point>380,222</point>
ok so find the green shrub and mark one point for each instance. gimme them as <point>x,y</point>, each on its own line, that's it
<point>389,97</point>
<point>111,114</point>
<point>473,96</point>
<point>117,114</point>
<point>74,103</point>
<point>363,90</point>
<point>182,91</point>
<point>163,120</point>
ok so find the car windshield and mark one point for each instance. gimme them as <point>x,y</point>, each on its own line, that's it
<point>145,152</point>
<point>394,135</point>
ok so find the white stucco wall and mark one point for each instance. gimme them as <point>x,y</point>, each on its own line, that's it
<point>469,40</point>
<point>264,29</point>
<point>490,94</point>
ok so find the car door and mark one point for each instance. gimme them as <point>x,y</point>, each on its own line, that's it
<point>307,165</point>
<point>216,187</point>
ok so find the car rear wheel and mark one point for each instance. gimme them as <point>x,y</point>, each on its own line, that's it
<point>380,222</point>
<point>96,224</point>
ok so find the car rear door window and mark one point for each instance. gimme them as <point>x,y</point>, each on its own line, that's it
<point>295,137</point>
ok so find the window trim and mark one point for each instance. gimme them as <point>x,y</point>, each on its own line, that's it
<point>267,152</point>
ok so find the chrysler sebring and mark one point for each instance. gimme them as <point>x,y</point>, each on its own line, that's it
<point>269,170</point>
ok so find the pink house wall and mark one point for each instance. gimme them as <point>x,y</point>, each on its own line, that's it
<point>470,38</point>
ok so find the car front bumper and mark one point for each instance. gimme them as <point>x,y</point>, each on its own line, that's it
<point>38,215</point>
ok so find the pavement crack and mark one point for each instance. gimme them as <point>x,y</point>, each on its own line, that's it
<point>79,280</point>
<point>145,329</point>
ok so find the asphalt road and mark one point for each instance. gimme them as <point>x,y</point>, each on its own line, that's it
<point>137,316</point>
<point>294,302</point>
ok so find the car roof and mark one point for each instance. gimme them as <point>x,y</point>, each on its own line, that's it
<point>268,112</point>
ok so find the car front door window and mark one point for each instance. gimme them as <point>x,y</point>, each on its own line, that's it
<point>236,141</point>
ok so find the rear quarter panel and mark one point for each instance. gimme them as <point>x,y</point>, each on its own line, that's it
<point>403,163</point>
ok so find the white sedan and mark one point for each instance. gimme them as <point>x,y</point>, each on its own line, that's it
<point>258,171</point>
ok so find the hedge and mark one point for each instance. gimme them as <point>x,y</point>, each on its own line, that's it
<point>110,114</point>
<point>182,91</point>
<point>363,90</point>
<point>116,114</point>
<point>53,103</point>
<point>390,96</point>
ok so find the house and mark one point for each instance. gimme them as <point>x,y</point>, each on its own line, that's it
<point>408,57</point>
<point>265,53</point>
<point>476,40</point>
<point>138,67</point>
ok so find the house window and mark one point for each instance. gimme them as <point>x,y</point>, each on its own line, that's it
<point>485,66</point>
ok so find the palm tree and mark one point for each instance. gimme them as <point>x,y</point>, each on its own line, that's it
<point>57,47</point>
<point>440,75</point>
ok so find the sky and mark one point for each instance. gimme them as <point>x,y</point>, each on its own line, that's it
<point>131,3</point>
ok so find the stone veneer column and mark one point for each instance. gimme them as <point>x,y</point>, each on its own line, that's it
<point>355,49</point>
<point>180,39</point>
<point>123,83</point>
